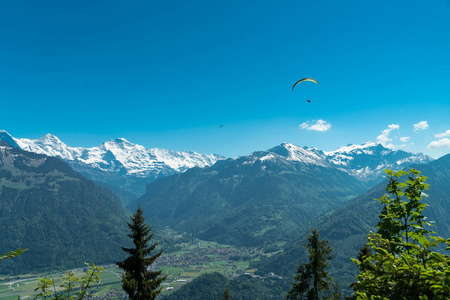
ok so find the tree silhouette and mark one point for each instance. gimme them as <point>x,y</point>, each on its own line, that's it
<point>137,280</point>
<point>312,278</point>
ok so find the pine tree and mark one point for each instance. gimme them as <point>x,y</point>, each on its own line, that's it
<point>312,278</point>
<point>226,294</point>
<point>137,280</point>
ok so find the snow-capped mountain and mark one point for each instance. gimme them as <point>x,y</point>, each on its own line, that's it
<point>123,166</point>
<point>127,168</point>
<point>117,155</point>
<point>366,162</point>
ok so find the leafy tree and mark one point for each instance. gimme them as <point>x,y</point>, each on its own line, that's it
<point>137,280</point>
<point>12,254</point>
<point>402,220</point>
<point>44,285</point>
<point>312,279</point>
<point>398,262</point>
<point>70,282</point>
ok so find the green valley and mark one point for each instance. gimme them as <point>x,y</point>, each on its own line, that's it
<point>192,259</point>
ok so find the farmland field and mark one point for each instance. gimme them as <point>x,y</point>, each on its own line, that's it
<point>190,261</point>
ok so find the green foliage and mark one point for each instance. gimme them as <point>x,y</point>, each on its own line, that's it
<point>212,286</point>
<point>44,285</point>
<point>90,277</point>
<point>401,219</point>
<point>69,281</point>
<point>400,263</point>
<point>246,287</point>
<point>12,254</point>
<point>137,281</point>
<point>205,286</point>
<point>312,278</point>
<point>47,288</point>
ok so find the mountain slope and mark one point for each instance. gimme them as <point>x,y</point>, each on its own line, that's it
<point>119,164</point>
<point>347,226</point>
<point>64,219</point>
<point>244,287</point>
<point>251,200</point>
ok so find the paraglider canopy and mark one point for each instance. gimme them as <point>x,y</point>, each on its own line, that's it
<point>305,79</point>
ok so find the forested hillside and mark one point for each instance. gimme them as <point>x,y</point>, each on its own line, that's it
<point>254,200</point>
<point>347,226</point>
<point>213,286</point>
<point>62,218</point>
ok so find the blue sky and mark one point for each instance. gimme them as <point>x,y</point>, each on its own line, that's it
<point>167,74</point>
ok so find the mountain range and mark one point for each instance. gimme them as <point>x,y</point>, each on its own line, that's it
<point>268,195</point>
<point>262,199</point>
<point>127,168</point>
<point>124,167</point>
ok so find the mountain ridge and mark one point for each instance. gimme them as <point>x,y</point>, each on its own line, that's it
<point>366,162</point>
<point>124,167</point>
<point>127,168</point>
<point>114,155</point>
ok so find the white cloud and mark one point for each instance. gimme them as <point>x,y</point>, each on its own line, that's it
<point>442,135</point>
<point>440,144</point>
<point>404,139</point>
<point>320,125</point>
<point>422,125</point>
<point>394,126</point>
<point>384,138</point>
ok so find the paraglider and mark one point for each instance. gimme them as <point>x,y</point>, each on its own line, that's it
<point>220,126</point>
<point>305,79</point>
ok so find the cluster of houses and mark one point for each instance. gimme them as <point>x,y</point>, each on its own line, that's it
<point>198,256</point>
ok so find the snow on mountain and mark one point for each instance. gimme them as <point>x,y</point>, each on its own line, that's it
<point>295,153</point>
<point>369,160</point>
<point>49,145</point>
<point>366,162</point>
<point>353,148</point>
<point>119,155</point>
<point>6,137</point>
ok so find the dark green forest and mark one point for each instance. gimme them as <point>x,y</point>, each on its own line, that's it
<point>245,287</point>
<point>65,219</point>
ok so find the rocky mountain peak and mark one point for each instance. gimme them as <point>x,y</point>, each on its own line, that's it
<point>5,136</point>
